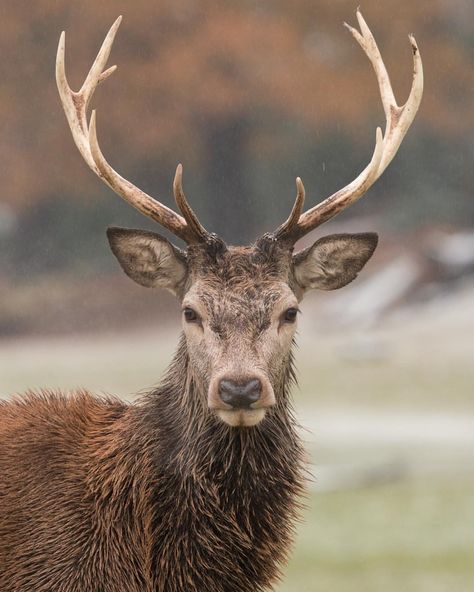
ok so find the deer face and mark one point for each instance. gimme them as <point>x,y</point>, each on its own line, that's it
<point>240,308</point>
<point>239,303</point>
<point>239,327</point>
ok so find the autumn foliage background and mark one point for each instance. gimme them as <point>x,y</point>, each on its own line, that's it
<point>247,95</point>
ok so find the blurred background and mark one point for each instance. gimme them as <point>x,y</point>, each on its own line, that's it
<point>248,95</point>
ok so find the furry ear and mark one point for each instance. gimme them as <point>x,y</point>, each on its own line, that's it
<point>333,261</point>
<point>148,258</point>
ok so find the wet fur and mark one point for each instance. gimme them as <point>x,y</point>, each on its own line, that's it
<point>98,495</point>
<point>161,496</point>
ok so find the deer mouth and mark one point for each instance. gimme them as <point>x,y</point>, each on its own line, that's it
<point>241,418</point>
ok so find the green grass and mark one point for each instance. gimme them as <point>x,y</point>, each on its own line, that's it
<point>416,537</point>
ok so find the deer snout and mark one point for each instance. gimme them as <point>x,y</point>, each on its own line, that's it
<point>240,399</point>
<point>240,394</point>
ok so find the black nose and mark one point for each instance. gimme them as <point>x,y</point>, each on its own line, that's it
<point>240,394</point>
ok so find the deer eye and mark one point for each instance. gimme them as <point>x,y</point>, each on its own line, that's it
<point>289,316</point>
<point>190,315</point>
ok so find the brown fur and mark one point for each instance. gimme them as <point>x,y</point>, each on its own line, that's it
<point>165,495</point>
<point>98,495</point>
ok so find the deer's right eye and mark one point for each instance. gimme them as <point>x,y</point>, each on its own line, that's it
<point>190,315</point>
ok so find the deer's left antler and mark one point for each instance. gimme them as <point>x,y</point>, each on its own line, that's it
<point>398,120</point>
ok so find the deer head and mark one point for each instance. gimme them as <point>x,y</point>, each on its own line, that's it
<point>240,304</point>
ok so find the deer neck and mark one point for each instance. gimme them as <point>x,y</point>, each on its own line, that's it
<point>192,439</point>
<point>181,465</point>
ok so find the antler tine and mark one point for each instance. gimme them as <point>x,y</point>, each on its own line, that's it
<point>141,200</point>
<point>340,200</point>
<point>398,120</point>
<point>96,73</point>
<point>75,106</point>
<point>295,213</point>
<point>367,41</point>
<point>182,203</point>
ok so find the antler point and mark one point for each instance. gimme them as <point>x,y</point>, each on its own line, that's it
<point>61,48</point>
<point>413,42</point>
<point>178,180</point>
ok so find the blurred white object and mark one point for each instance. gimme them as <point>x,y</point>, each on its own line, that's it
<point>367,301</point>
<point>455,251</point>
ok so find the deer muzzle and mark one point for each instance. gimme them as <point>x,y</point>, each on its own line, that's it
<point>241,400</point>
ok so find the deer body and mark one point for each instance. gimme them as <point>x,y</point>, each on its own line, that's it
<point>155,496</point>
<point>118,507</point>
<point>195,487</point>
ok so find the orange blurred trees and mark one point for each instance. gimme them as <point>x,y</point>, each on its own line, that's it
<point>213,84</point>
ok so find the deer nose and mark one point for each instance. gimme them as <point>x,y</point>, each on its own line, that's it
<point>242,394</point>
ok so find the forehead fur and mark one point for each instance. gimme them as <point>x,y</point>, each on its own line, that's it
<point>243,283</point>
<point>238,265</point>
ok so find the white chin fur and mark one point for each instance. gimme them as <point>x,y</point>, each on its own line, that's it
<point>241,417</point>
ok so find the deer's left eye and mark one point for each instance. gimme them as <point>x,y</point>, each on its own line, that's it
<point>289,316</point>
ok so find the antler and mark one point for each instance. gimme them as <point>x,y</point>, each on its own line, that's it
<point>76,105</point>
<point>398,120</point>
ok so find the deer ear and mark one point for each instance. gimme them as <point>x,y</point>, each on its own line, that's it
<point>333,261</point>
<point>148,258</point>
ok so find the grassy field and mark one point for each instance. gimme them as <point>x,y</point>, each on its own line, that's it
<point>414,533</point>
<point>415,537</point>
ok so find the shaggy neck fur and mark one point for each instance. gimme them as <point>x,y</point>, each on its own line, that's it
<point>223,500</point>
<point>160,496</point>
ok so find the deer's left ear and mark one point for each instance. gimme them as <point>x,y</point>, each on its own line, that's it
<point>333,261</point>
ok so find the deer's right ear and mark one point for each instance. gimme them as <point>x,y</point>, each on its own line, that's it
<point>148,258</point>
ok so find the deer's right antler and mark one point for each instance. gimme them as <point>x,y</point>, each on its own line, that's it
<point>186,227</point>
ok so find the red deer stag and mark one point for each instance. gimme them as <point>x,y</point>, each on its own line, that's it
<point>194,487</point>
